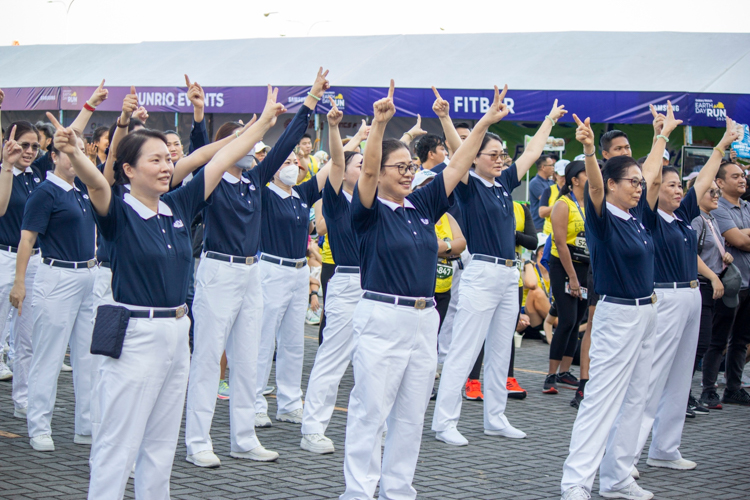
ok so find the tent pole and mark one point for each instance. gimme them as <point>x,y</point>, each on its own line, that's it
<point>176,121</point>
<point>317,132</point>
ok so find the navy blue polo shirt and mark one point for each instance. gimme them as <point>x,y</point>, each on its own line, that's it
<point>397,245</point>
<point>622,250</point>
<point>341,238</point>
<point>64,219</point>
<point>455,209</point>
<point>102,247</point>
<point>488,213</point>
<point>24,182</point>
<point>151,253</point>
<point>286,218</point>
<point>675,241</point>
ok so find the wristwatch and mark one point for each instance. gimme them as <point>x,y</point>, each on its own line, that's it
<point>450,247</point>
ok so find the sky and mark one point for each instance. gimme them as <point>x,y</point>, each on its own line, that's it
<point>32,22</point>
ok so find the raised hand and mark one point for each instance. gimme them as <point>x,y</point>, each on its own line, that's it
<point>130,103</point>
<point>66,140</point>
<point>12,151</point>
<point>2,97</point>
<point>731,134</point>
<point>141,114</point>
<point>557,112</point>
<point>195,93</point>
<point>584,134</point>
<point>335,115</point>
<point>321,84</point>
<point>250,123</point>
<point>441,107</point>
<point>384,109</point>
<point>670,122</point>
<point>498,110</point>
<point>658,122</point>
<point>99,96</point>
<point>364,131</point>
<point>272,109</point>
<point>416,130</point>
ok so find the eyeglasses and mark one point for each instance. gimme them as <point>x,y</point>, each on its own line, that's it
<point>495,156</point>
<point>403,168</point>
<point>714,193</point>
<point>635,181</point>
<point>26,145</point>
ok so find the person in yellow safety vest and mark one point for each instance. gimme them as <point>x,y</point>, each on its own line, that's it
<point>551,194</point>
<point>306,158</point>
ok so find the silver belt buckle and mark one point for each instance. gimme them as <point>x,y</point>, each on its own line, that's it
<point>694,284</point>
<point>420,304</point>
<point>300,264</point>
<point>91,263</point>
<point>180,312</point>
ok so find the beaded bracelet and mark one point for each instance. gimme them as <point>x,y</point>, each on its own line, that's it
<point>666,139</point>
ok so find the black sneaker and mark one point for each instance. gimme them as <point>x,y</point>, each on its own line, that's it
<point>689,413</point>
<point>710,399</point>
<point>567,378</point>
<point>550,384</point>
<point>740,397</point>
<point>694,405</point>
<point>576,402</point>
<point>433,396</point>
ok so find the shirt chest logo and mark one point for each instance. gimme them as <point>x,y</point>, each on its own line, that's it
<point>425,221</point>
<point>252,187</point>
<point>303,205</point>
<point>37,180</point>
<point>85,197</point>
<point>178,224</point>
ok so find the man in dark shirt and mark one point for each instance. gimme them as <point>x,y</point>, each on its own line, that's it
<point>542,180</point>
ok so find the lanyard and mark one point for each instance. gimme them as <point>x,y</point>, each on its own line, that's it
<point>541,279</point>
<point>573,197</point>
<point>716,239</point>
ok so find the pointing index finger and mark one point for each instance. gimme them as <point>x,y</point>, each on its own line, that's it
<point>437,94</point>
<point>132,90</point>
<point>578,120</point>
<point>12,136</point>
<point>653,110</point>
<point>54,121</point>
<point>187,81</point>
<point>391,89</point>
<point>101,85</point>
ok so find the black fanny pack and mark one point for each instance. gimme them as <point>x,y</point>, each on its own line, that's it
<point>579,254</point>
<point>109,330</point>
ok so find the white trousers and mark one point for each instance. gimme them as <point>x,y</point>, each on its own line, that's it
<point>677,325</point>
<point>487,309</point>
<point>285,293</point>
<point>621,352</point>
<point>227,309</point>
<point>102,295</point>
<point>63,311</point>
<point>141,396</point>
<point>394,361</point>
<point>19,326</point>
<point>334,353</point>
<point>446,330</point>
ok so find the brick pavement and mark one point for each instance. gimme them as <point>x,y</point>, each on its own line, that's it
<point>489,468</point>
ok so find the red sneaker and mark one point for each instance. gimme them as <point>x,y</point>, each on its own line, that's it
<point>515,391</point>
<point>474,390</point>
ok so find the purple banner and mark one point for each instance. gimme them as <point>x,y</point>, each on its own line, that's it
<point>525,105</point>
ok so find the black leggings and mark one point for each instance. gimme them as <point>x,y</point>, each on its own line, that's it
<point>570,310</point>
<point>442,300</point>
<point>326,273</point>
<point>707,319</point>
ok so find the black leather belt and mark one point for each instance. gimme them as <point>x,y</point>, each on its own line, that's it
<point>399,301</point>
<point>298,264</point>
<point>347,269</point>
<point>11,249</point>
<point>232,258</point>
<point>630,302</point>
<point>105,264</point>
<point>494,260</point>
<point>681,284</point>
<point>177,312</point>
<point>86,264</point>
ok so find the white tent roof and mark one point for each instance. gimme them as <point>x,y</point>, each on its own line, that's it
<point>680,62</point>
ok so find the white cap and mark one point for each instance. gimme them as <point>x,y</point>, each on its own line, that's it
<point>541,240</point>
<point>580,157</point>
<point>260,146</point>
<point>666,155</point>
<point>421,177</point>
<point>560,167</point>
<point>691,175</point>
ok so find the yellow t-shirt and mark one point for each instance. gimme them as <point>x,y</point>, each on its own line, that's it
<point>312,168</point>
<point>444,266</point>
<point>518,212</point>
<point>553,196</point>
<point>544,283</point>
<point>576,227</point>
<point>325,251</point>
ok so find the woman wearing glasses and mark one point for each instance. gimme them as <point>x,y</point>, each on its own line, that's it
<point>622,256</point>
<point>395,323</point>
<point>488,296</point>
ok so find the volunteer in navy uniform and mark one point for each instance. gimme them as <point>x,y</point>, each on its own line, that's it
<point>488,295</point>
<point>678,311</point>
<point>344,292</point>
<point>396,324</point>
<point>285,278</point>
<point>622,256</point>
<point>142,387</point>
<point>227,308</point>
<point>17,181</point>
<point>59,214</point>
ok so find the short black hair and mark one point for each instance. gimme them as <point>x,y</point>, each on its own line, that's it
<point>462,125</point>
<point>642,160</point>
<point>606,141</point>
<point>390,146</point>
<point>615,169</point>
<point>542,159</point>
<point>722,173</point>
<point>129,151</point>
<point>98,133</point>
<point>426,145</point>
<point>45,128</point>
<point>305,136</point>
<point>669,170</point>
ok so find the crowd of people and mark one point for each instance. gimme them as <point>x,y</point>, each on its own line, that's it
<point>162,271</point>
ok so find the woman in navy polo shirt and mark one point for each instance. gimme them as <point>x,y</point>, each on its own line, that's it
<point>488,295</point>
<point>226,307</point>
<point>285,278</point>
<point>17,181</point>
<point>396,324</point>
<point>622,256</point>
<point>59,215</point>
<point>141,394</point>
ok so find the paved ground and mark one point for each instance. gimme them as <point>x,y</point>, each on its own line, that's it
<point>495,468</point>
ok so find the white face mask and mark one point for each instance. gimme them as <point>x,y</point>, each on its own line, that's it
<point>288,175</point>
<point>247,162</point>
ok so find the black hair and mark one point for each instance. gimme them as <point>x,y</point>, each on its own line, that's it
<point>22,127</point>
<point>168,132</point>
<point>669,170</point>
<point>348,155</point>
<point>134,122</point>
<point>722,173</point>
<point>45,128</point>
<point>606,141</point>
<point>576,166</point>
<point>641,160</point>
<point>615,168</point>
<point>426,145</point>
<point>226,130</point>
<point>542,159</point>
<point>304,136</point>
<point>98,133</point>
<point>391,146</point>
<point>129,151</point>
<point>462,125</point>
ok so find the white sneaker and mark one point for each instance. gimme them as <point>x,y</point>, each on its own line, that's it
<point>5,372</point>
<point>680,464</point>
<point>205,458</point>
<point>293,417</point>
<point>634,473</point>
<point>20,412</point>
<point>262,420</point>
<point>268,390</point>
<point>575,493</point>
<point>258,454</point>
<point>42,443</point>
<point>508,431</point>
<point>66,368</point>
<point>82,439</point>
<point>316,443</point>
<point>630,492</point>
<point>451,436</point>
